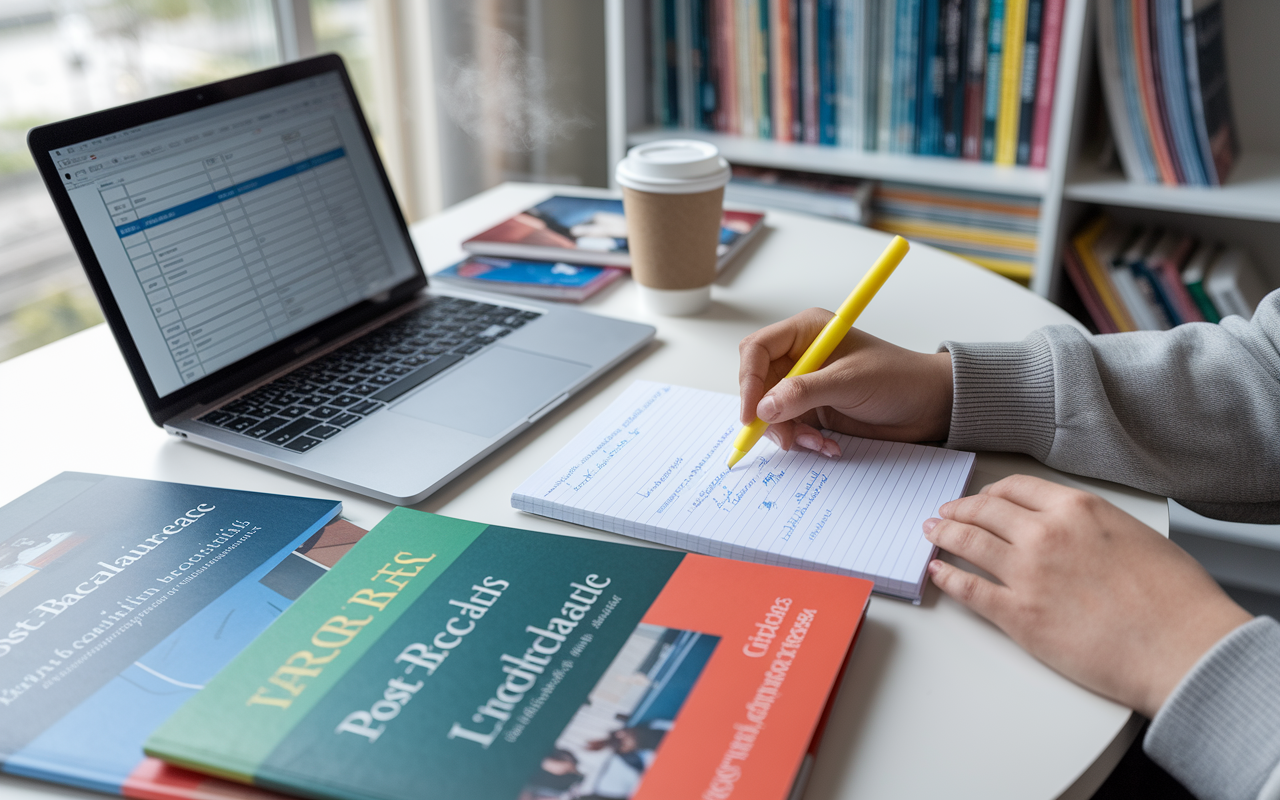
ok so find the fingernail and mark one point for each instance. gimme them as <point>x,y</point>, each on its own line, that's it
<point>830,449</point>
<point>930,524</point>
<point>772,436</point>
<point>810,441</point>
<point>767,409</point>
<point>935,567</point>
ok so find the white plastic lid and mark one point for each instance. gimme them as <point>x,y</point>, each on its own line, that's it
<point>673,166</point>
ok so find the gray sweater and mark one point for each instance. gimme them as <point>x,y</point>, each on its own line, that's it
<point>1193,414</point>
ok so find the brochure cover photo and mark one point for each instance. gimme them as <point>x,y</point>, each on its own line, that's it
<point>445,659</point>
<point>120,598</point>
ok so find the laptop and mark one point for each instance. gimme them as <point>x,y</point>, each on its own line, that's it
<point>252,262</point>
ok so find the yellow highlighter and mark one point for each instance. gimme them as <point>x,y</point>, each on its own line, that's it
<point>831,335</point>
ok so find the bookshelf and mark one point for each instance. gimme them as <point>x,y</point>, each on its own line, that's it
<point>1071,186</point>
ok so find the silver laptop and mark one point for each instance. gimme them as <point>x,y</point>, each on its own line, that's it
<point>252,262</point>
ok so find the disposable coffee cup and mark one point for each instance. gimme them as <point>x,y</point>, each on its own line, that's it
<point>673,196</point>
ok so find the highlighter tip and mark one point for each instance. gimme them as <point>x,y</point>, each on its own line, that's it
<point>735,457</point>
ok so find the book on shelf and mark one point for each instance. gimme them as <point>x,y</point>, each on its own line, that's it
<point>546,280</point>
<point>1136,278</point>
<point>443,658</point>
<point>589,230</point>
<point>122,598</point>
<point>824,195</point>
<point>652,466</point>
<point>994,231</point>
<point>925,77</point>
<point>1164,78</point>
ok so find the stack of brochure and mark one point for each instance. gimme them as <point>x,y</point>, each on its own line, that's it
<point>826,196</point>
<point>558,249</point>
<point>257,638</point>
<point>992,230</point>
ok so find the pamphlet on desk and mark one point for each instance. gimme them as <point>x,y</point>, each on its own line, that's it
<point>590,230</point>
<point>653,466</point>
<point>451,659</point>
<point>545,280</point>
<point>120,598</point>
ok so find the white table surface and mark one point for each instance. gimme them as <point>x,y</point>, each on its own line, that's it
<point>936,703</point>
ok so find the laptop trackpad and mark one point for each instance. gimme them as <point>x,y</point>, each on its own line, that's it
<point>493,391</point>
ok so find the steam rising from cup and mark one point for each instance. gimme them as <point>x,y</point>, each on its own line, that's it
<point>500,96</point>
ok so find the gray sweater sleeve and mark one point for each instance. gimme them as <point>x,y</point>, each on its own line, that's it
<point>1219,732</point>
<point>1192,413</point>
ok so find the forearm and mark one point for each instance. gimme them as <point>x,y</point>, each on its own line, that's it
<point>1219,732</point>
<point>1190,413</point>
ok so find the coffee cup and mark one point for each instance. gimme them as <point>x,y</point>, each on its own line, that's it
<point>673,197</point>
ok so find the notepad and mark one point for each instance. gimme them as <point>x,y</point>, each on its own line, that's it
<point>652,466</point>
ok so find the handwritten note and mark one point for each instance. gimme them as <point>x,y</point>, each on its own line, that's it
<point>652,466</point>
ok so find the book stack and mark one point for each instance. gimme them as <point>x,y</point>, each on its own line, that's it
<point>1164,74</point>
<point>992,230</point>
<point>1136,278</point>
<point>846,199</point>
<point>959,78</point>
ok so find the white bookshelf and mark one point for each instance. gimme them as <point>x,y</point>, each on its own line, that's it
<point>1071,186</point>
<point>949,172</point>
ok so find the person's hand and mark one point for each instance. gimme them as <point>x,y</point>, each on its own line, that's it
<point>1083,586</point>
<point>868,387</point>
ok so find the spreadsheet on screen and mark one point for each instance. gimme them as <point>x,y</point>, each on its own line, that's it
<point>225,229</point>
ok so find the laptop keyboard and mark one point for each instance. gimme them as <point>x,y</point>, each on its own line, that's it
<point>327,396</point>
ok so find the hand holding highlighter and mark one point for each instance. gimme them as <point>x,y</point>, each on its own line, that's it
<point>831,335</point>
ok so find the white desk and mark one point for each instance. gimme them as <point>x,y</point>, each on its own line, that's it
<point>937,703</point>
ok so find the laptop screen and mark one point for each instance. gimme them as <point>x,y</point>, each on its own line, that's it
<point>225,229</point>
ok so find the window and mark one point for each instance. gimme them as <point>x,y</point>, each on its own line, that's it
<point>61,58</point>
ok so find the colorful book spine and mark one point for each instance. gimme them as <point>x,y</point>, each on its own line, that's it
<point>1027,87</point>
<point>1206,58</point>
<point>705,100</point>
<point>1193,277</point>
<point>887,50</point>
<point>929,80</point>
<point>1096,245</point>
<point>974,79</point>
<point>870,75</point>
<point>1166,40</point>
<point>828,94</point>
<point>994,78</point>
<point>1014,39</point>
<point>726,68</point>
<point>1046,80</point>
<point>850,46</point>
<point>780,69</point>
<point>955,25</point>
<point>1149,95</point>
<point>795,62</point>
<point>760,85</point>
<point>1088,293</point>
<point>810,85</point>
<point>747,127</point>
<point>905,68</point>
<point>1126,57</point>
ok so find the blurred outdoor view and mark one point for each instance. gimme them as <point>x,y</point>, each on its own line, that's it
<point>63,58</point>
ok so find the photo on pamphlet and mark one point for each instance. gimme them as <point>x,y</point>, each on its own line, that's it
<point>614,737</point>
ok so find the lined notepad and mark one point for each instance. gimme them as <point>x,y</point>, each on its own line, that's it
<point>652,466</point>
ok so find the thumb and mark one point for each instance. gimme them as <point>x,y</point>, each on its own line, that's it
<point>793,397</point>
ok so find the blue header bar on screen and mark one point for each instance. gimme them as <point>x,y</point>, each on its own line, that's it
<point>200,203</point>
